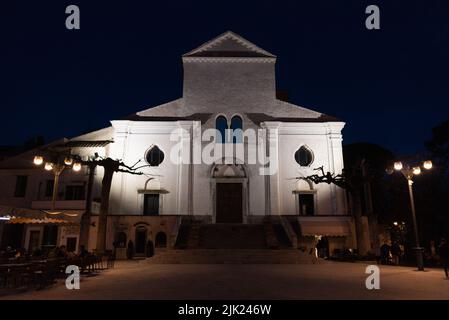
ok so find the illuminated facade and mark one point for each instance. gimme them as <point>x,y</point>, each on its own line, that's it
<point>229,83</point>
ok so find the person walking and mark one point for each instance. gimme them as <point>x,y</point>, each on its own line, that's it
<point>444,256</point>
<point>314,253</point>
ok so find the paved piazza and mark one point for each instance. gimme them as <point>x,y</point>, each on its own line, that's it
<point>330,280</point>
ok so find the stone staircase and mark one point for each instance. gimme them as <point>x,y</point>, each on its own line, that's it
<point>229,243</point>
<point>188,236</point>
<point>231,236</point>
<point>281,236</point>
<point>194,236</point>
<point>230,256</point>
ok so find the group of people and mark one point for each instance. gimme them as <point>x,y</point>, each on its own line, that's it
<point>438,254</point>
<point>62,252</point>
<point>391,254</point>
<point>55,252</point>
<point>10,252</point>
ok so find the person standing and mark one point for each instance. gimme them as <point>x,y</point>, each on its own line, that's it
<point>385,253</point>
<point>130,250</point>
<point>115,245</point>
<point>150,248</point>
<point>83,252</point>
<point>396,252</point>
<point>444,256</point>
<point>433,253</point>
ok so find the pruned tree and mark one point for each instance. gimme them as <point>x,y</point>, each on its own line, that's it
<point>363,178</point>
<point>352,183</point>
<point>110,166</point>
<point>60,153</point>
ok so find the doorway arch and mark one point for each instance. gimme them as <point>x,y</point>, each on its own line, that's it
<point>141,240</point>
<point>229,192</point>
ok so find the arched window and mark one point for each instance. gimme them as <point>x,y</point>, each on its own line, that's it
<point>154,156</point>
<point>304,156</point>
<point>221,124</point>
<point>160,240</point>
<point>237,127</point>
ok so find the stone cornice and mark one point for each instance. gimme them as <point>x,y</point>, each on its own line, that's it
<point>228,60</point>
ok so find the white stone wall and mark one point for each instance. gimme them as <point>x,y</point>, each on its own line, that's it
<point>132,141</point>
<point>324,141</point>
<point>191,188</point>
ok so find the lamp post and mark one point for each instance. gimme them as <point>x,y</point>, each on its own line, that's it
<point>409,172</point>
<point>57,168</point>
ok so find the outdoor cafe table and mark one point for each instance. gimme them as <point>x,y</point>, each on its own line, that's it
<point>13,271</point>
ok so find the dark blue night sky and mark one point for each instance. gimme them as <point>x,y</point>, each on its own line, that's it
<point>391,86</point>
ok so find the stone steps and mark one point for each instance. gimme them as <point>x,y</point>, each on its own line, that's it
<point>230,256</point>
<point>194,236</point>
<point>231,236</point>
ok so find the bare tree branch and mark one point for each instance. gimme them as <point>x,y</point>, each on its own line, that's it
<point>129,171</point>
<point>328,178</point>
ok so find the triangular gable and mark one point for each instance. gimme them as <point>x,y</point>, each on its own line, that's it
<point>229,44</point>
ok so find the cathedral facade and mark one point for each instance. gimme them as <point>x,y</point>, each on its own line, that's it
<point>229,151</point>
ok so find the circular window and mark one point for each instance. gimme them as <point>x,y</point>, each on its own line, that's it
<point>303,157</point>
<point>154,156</point>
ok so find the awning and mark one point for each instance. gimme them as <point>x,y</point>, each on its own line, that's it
<point>13,215</point>
<point>325,228</point>
<point>18,220</point>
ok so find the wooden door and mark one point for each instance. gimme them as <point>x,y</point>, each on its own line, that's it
<point>229,203</point>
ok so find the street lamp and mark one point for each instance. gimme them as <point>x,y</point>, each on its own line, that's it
<point>409,172</point>
<point>58,167</point>
<point>428,165</point>
<point>398,165</point>
<point>76,166</point>
<point>48,166</point>
<point>68,161</point>
<point>38,160</point>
